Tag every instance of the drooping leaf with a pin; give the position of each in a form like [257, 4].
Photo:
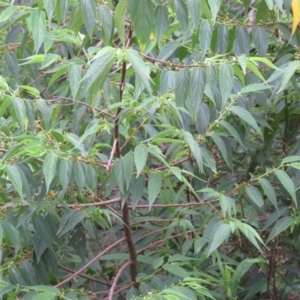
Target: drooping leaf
[260, 39]
[194, 9]
[107, 23]
[205, 34]
[89, 15]
[176, 270]
[142, 15]
[181, 11]
[245, 116]
[140, 68]
[233, 132]
[287, 182]
[119, 19]
[74, 73]
[182, 86]
[161, 20]
[214, 7]
[221, 145]
[49, 169]
[7, 13]
[154, 186]
[226, 81]
[100, 66]
[140, 158]
[221, 232]
[65, 172]
[269, 191]
[15, 178]
[280, 226]
[38, 19]
[255, 195]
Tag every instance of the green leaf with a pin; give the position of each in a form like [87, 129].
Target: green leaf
[260, 39]
[269, 191]
[290, 159]
[194, 8]
[222, 38]
[143, 19]
[280, 226]
[255, 195]
[137, 189]
[255, 70]
[181, 11]
[120, 13]
[101, 65]
[154, 186]
[255, 87]
[195, 149]
[205, 34]
[167, 50]
[214, 8]
[20, 109]
[226, 81]
[128, 165]
[197, 84]
[209, 159]
[176, 270]
[89, 15]
[7, 13]
[65, 173]
[50, 8]
[44, 288]
[158, 262]
[44, 296]
[242, 59]
[140, 68]
[140, 158]
[80, 177]
[69, 220]
[49, 169]
[221, 232]
[287, 183]
[38, 19]
[233, 132]
[227, 205]
[245, 116]
[161, 20]
[107, 21]
[182, 86]
[74, 74]
[289, 72]
[119, 174]
[6, 289]
[250, 234]
[15, 178]
[221, 146]
[242, 41]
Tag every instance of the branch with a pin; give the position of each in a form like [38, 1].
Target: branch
[114, 284]
[113, 150]
[90, 263]
[84, 276]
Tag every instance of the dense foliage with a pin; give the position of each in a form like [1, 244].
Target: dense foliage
[149, 149]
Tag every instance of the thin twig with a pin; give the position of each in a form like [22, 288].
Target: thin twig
[109, 248]
[84, 276]
[114, 284]
[112, 153]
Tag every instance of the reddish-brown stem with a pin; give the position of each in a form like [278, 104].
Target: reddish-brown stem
[85, 276]
[90, 263]
[125, 210]
[114, 284]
